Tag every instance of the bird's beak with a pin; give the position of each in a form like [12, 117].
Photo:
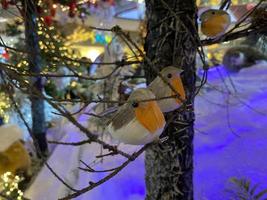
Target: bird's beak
[178, 86]
[150, 116]
[181, 72]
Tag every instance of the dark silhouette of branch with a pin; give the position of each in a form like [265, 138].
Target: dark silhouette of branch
[90, 169]
[236, 35]
[71, 143]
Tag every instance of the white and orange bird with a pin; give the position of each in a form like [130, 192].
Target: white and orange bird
[161, 89]
[214, 22]
[138, 122]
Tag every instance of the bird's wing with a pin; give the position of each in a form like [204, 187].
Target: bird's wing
[159, 88]
[124, 115]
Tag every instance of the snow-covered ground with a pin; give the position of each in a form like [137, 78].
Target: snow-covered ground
[230, 141]
[231, 132]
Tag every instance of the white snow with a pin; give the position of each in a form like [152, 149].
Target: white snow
[231, 139]
[64, 161]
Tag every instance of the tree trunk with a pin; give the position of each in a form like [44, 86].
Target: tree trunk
[34, 60]
[170, 41]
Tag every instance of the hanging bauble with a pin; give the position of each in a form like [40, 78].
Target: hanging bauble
[48, 20]
[4, 4]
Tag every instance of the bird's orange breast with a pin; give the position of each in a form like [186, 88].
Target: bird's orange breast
[150, 116]
[215, 25]
[178, 86]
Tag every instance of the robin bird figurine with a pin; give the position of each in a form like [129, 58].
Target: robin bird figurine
[138, 122]
[214, 22]
[162, 89]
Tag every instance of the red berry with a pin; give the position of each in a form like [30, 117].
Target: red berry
[48, 20]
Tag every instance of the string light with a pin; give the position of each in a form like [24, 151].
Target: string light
[9, 186]
[4, 106]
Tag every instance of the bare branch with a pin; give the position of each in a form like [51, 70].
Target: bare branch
[103, 180]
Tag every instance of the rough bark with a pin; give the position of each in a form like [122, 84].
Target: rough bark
[172, 41]
[35, 66]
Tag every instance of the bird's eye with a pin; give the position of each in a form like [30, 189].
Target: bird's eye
[135, 104]
[213, 12]
[169, 75]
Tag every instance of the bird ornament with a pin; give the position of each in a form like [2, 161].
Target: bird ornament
[214, 22]
[139, 121]
[161, 89]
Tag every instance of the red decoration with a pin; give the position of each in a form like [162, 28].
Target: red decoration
[72, 8]
[4, 4]
[48, 20]
[5, 55]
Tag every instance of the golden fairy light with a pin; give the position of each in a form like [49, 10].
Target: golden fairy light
[4, 106]
[9, 186]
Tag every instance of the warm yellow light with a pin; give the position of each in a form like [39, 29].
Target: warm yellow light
[91, 52]
[209, 55]
[8, 185]
[73, 84]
